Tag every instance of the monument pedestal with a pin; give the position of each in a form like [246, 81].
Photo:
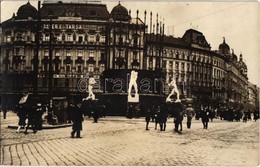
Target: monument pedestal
[134, 99]
[172, 101]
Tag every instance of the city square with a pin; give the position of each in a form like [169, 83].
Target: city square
[91, 83]
[120, 141]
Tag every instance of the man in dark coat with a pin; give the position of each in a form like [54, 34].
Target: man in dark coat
[178, 117]
[205, 117]
[163, 117]
[77, 120]
[70, 112]
[38, 116]
[147, 118]
[95, 110]
[31, 111]
[189, 113]
[157, 116]
[21, 113]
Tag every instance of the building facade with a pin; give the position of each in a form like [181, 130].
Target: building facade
[236, 80]
[253, 97]
[56, 48]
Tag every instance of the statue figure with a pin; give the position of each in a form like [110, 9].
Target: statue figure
[173, 85]
[24, 98]
[91, 83]
[132, 83]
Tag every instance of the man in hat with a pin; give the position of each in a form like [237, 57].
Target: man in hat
[77, 120]
[189, 114]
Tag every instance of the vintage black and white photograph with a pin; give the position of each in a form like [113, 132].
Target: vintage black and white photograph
[129, 83]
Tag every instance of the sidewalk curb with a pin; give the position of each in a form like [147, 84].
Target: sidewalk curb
[12, 126]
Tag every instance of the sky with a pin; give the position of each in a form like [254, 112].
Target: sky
[238, 22]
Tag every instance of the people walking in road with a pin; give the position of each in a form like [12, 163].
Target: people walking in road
[189, 113]
[147, 118]
[178, 117]
[21, 113]
[31, 119]
[205, 117]
[77, 120]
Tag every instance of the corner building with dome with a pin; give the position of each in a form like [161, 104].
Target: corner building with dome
[57, 49]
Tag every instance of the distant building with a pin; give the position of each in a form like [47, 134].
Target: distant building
[236, 79]
[253, 96]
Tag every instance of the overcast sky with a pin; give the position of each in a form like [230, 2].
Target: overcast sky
[238, 22]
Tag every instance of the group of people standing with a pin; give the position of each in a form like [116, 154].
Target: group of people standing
[91, 108]
[159, 114]
[33, 115]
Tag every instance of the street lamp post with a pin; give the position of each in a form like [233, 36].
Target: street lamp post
[36, 56]
[50, 73]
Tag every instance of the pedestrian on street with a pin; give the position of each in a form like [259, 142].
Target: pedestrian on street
[163, 117]
[153, 111]
[245, 117]
[4, 110]
[77, 120]
[256, 115]
[38, 116]
[130, 111]
[70, 111]
[95, 111]
[147, 118]
[178, 117]
[211, 115]
[205, 117]
[31, 119]
[157, 116]
[189, 113]
[21, 113]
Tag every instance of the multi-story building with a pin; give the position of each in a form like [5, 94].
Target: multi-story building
[252, 96]
[236, 79]
[82, 39]
[55, 49]
[188, 61]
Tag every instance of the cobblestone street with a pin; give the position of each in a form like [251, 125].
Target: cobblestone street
[120, 141]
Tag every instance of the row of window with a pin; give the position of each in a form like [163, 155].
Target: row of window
[57, 67]
[179, 66]
[175, 54]
[78, 68]
[69, 37]
[79, 52]
[218, 73]
[219, 64]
